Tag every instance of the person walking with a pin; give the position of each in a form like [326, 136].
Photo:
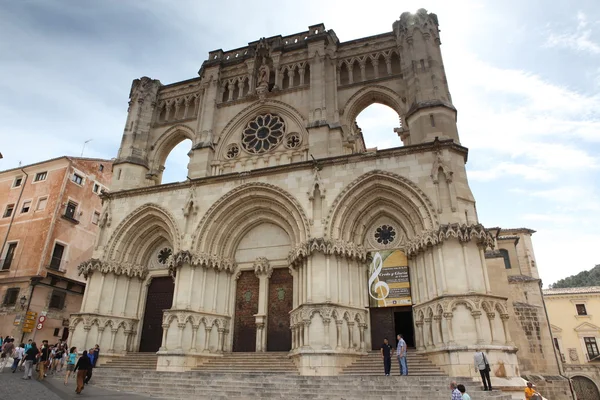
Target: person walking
[7, 352]
[30, 358]
[531, 393]
[92, 357]
[44, 355]
[401, 353]
[386, 354]
[483, 366]
[82, 366]
[463, 391]
[456, 395]
[18, 356]
[72, 358]
[96, 355]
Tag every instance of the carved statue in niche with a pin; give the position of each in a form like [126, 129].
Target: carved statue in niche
[262, 80]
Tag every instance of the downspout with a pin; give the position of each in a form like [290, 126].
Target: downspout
[53, 222]
[558, 361]
[12, 218]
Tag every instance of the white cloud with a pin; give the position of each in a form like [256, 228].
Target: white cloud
[579, 39]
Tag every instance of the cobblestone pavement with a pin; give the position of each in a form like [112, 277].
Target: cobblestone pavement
[12, 387]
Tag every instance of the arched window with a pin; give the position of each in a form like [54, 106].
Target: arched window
[506, 258]
[176, 164]
[377, 123]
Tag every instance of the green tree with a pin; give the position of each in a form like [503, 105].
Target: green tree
[582, 279]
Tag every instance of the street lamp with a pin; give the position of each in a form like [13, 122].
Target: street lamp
[22, 301]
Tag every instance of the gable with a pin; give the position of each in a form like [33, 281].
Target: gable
[587, 327]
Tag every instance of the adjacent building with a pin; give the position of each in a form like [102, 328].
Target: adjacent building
[49, 217]
[574, 315]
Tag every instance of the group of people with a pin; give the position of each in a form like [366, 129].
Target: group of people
[387, 352]
[49, 359]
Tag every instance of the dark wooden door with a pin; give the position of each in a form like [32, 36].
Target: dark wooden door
[246, 305]
[159, 298]
[281, 291]
[382, 326]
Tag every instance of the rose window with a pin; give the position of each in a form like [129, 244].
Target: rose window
[292, 141]
[385, 234]
[164, 255]
[232, 151]
[263, 133]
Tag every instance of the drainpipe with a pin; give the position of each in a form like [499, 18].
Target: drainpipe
[12, 218]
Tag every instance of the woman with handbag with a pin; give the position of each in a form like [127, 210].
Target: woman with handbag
[483, 366]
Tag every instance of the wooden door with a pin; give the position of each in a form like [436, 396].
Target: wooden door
[246, 305]
[159, 298]
[281, 291]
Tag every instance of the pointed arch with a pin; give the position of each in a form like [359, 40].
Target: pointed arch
[160, 149]
[242, 209]
[375, 194]
[148, 222]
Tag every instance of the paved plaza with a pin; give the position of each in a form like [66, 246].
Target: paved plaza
[52, 388]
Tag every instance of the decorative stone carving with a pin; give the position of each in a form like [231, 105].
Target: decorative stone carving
[201, 260]
[87, 268]
[463, 233]
[573, 355]
[262, 267]
[263, 133]
[325, 246]
[191, 204]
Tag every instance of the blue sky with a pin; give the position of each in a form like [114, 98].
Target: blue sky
[524, 75]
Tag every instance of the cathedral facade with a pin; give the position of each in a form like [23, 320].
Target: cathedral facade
[273, 242]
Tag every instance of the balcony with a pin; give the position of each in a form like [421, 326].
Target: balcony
[57, 264]
[71, 218]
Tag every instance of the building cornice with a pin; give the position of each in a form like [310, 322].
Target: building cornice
[304, 165]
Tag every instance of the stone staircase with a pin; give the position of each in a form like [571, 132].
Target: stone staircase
[258, 385]
[269, 362]
[372, 365]
[133, 361]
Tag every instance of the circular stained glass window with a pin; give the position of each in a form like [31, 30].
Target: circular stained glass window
[385, 234]
[164, 255]
[263, 133]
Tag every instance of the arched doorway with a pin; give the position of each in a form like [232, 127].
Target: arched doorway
[585, 388]
[159, 298]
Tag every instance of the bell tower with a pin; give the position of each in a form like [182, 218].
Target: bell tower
[430, 110]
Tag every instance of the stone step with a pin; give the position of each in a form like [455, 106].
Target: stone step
[200, 385]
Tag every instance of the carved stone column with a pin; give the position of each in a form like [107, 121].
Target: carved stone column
[163, 346]
[206, 349]
[326, 323]
[362, 328]
[263, 270]
[438, 325]
[448, 316]
[180, 328]
[190, 288]
[504, 318]
[466, 258]
[221, 332]
[194, 336]
[421, 345]
[491, 316]
[127, 340]
[306, 333]
[87, 333]
[476, 316]
[113, 333]
[338, 326]
[99, 335]
[301, 334]
[350, 335]
[429, 333]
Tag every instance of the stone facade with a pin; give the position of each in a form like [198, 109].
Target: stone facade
[575, 317]
[280, 179]
[51, 229]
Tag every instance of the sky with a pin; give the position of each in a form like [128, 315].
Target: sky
[524, 76]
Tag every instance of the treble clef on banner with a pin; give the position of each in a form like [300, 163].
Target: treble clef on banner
[380, 286]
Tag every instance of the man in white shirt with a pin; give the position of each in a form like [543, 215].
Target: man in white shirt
[19, 353]
[483, 366]
[401, 353]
